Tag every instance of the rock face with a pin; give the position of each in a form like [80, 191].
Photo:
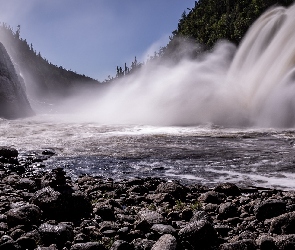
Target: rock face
[13, 100]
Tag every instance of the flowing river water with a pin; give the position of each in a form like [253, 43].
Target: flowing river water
[197, 154]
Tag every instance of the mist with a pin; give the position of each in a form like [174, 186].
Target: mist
[252, 85]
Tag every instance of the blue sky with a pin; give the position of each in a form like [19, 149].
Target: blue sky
[92, 37]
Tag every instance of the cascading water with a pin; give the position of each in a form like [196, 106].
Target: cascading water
[252, 86]
[263, 69]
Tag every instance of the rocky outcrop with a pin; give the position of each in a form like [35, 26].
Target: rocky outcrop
[13, 100]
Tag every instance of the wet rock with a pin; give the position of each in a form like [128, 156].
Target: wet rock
[24, 215]
[176, 190]
[229, 189]
[8, 152]
[57, 234]
[26, 243]
[283, 224]
[212, 197]
[121, 245]
[88, 246]
[62, 207]
[199, 232]
[269, 209]
[239, 245]
[26, 183]
[161, 197]
[150, 217]
[163, 229]
[285, 242]
[142, 244]
[105, 211]
[165, 242]
[227, 210]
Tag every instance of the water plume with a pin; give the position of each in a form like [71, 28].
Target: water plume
[249, 86]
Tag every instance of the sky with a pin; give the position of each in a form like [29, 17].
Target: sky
[93, 37]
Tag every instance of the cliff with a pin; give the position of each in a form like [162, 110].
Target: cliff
[13, 100]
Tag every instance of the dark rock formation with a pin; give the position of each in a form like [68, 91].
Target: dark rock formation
[13, 99]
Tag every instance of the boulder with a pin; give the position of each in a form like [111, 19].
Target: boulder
[229, 189]
[212, 197]
[239, 245]
[269, 209]
[176, 190]
[8, 152]
[88, 246]
[57, 234]
[227, 210]
[165, 242]
[24, 215]
[283, 224]
[198, 233]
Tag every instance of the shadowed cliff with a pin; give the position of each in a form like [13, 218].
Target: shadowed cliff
[13, 100]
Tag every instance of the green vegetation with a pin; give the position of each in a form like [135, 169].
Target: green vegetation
[212, 20]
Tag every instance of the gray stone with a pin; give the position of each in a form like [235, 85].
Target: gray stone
[227, 210]
[212, 197]
[176, 190]
[163, 229]
[283, 224]
[269, 209]
[121, 245]
[239, 245]
[165, 242]
[229, 189]
[56, 234]
[199, 232]
[24, 215]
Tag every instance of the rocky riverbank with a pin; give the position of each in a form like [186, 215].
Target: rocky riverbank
[50, 211]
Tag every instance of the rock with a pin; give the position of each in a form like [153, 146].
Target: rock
[26, 243]
[285, 242]
[269, 209]
[229, 189]
[26, 183]
[105, 211]
[176, 190]
[161, 197]
[24, 215]
[49, 201]
[8, 152]
[283, 224]
[57, 234]
[163, 229]
[61, 207]
[199, 232]
[142, 244]
[88, 246]
[13, 100]
[165, 242]
[239, 245]
[121, 245]
[227, 210]
[151, 217]
[212, 197]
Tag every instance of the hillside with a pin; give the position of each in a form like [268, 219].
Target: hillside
[211, 20]
[44, 81]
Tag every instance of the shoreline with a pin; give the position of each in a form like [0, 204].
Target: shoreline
[52, 211]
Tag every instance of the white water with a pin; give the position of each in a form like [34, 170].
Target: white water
[255, 88]
[252, 87]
